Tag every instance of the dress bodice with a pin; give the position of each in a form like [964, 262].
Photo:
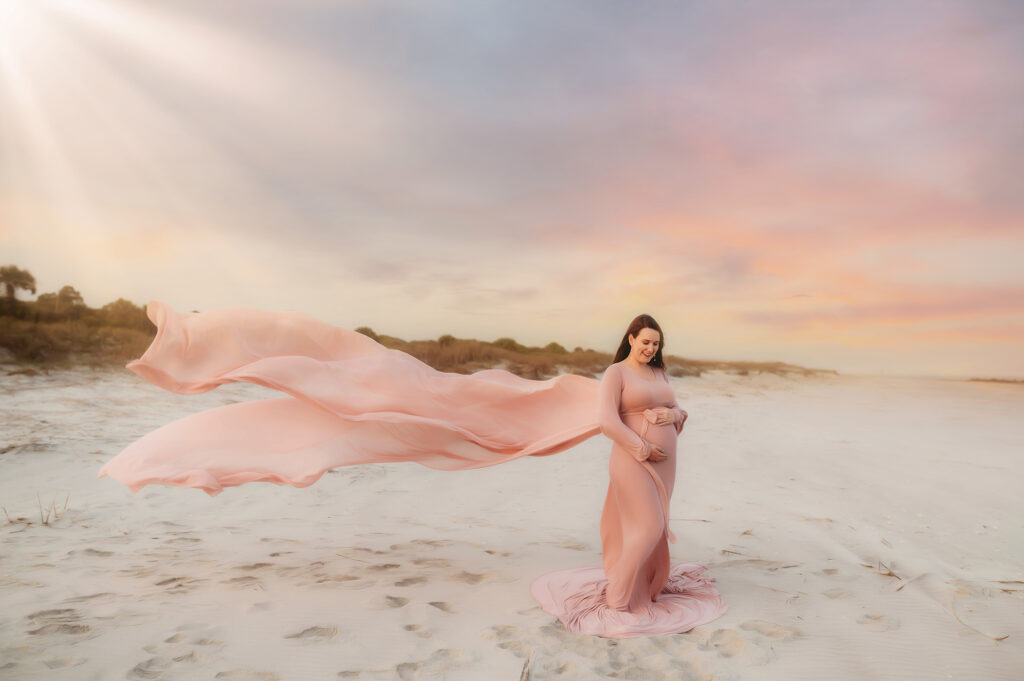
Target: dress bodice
[639, 393]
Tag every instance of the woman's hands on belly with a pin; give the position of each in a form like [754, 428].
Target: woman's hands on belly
[663, 436]
[660, 416]
[657, 453]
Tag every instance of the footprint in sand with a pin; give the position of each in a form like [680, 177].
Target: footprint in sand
[418, 630]
[409, 581]
[419, 544]
[518, 648]
[441, 661]
[432, 542]
[834, 593]
[772, 630]
[61, 662]
[177, 585]
[408, 670]
[506, 554]
[441, 605]
[337, 578]
[138, 571]
[97, 552]
[367, 550]
[834, 575]
[432, 562]
[729, 643]
[551, 652]
[57, 621]
[189, 645]
[247, 675]
[315, 634]
[878, 622]
[153, 668]
[79, 599]
[241, 581]
[470, 577]
[183, 540]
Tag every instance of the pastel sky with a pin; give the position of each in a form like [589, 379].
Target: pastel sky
[834, 184]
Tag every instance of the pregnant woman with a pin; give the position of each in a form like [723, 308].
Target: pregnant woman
[349, 400]
[640, 592]
[633, 413]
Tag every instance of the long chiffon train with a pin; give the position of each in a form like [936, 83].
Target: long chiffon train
[351, 400]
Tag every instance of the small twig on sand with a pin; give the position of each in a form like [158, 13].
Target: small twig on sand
[911, 580]
[6, 514]
[58, 515]
[888, 571]
[525, 675]
[51, 511]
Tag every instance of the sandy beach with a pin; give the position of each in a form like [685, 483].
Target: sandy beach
[857, 527]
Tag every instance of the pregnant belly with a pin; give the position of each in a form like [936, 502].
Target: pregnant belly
[663, 436]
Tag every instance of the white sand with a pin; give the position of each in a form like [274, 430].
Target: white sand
[800, 494]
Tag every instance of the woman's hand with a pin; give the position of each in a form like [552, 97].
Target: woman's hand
[657, 454]
[660, 416]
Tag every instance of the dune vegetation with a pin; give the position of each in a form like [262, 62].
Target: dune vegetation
[58, 330]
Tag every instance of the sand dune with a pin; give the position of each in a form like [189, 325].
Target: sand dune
[861, 528]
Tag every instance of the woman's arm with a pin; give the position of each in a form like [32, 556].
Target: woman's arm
[681, 415]
[611, 423]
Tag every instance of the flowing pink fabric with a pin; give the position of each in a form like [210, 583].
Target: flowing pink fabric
[352, 401]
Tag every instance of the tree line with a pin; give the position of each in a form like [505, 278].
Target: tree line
[59, 327]
[64, 305]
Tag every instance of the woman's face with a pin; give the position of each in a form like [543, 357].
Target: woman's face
[645, 345]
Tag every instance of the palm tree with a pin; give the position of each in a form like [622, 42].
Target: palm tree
[14, 278]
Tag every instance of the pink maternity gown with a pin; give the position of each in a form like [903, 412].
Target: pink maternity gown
[352, 401]
[639, 592]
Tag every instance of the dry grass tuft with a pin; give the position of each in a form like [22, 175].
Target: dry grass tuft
[52, 514]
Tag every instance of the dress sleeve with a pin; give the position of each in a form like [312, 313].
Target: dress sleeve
[681, 415]
[611, 423]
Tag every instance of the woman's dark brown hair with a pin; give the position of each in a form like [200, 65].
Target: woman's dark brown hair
[643, 321]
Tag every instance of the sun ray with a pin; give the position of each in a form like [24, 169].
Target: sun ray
[26, 41]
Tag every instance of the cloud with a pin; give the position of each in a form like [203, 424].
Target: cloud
[755, 168]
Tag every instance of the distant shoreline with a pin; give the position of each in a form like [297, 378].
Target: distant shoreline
[997, 380]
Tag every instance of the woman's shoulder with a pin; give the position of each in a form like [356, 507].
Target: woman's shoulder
[613, 369]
